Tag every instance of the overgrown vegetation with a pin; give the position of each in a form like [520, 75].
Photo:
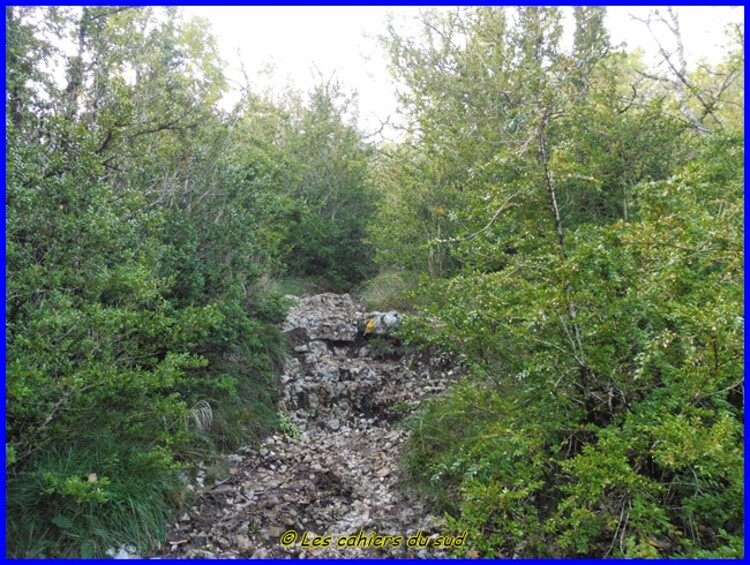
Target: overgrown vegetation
[143, 226]
[567, 221]
[580, 227]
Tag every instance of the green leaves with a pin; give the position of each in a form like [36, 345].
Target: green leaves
[658, 303]
[332, 198]
[132, 253]
[577, 248]
[62, 522]
[80, 490]
[10, 455]
[583, 251]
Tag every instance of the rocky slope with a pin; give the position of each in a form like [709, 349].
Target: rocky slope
[334, 472]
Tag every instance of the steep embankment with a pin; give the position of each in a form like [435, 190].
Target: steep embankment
[338, 477]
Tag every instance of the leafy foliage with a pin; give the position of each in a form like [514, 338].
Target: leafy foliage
[143, 224]
[567, 223]
[595, 289]
[138, 337]
[333, 200]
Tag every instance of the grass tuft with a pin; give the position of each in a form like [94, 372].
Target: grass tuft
[389, 291]
[294, 286]
[83, 500]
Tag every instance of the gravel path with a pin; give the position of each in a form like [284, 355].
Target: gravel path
[331, 491]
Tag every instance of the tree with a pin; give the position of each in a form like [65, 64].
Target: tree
[559, 159]
[330, 187]
[700, 102]
[120, 365]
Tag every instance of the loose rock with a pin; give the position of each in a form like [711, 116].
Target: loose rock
[338, 475]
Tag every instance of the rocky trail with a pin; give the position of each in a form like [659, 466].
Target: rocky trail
[329, 490]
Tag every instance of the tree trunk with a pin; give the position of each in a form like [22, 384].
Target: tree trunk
[572, 332]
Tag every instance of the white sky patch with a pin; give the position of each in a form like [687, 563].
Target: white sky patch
[300, 42]
[291, 46]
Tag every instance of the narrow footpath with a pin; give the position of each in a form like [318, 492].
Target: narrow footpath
[331, 491]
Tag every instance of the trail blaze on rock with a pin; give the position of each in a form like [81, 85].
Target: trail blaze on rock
[338, 478]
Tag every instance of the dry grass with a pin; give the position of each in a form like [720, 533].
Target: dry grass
[388, 291]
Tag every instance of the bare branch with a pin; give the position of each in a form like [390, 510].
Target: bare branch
[683, 86]
[505, 205]
[379, 131]
[630, 102]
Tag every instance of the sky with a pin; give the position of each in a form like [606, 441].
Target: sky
[300, 43]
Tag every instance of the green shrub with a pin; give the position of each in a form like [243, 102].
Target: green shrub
[625, 438]
[82, 500]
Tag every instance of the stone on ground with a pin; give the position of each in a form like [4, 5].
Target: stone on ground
[337, 476]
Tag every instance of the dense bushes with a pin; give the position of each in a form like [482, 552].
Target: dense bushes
[642, 454]
[569, 227]
[333, 201]
[97, 360]
[589, 260]
[143, 224]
